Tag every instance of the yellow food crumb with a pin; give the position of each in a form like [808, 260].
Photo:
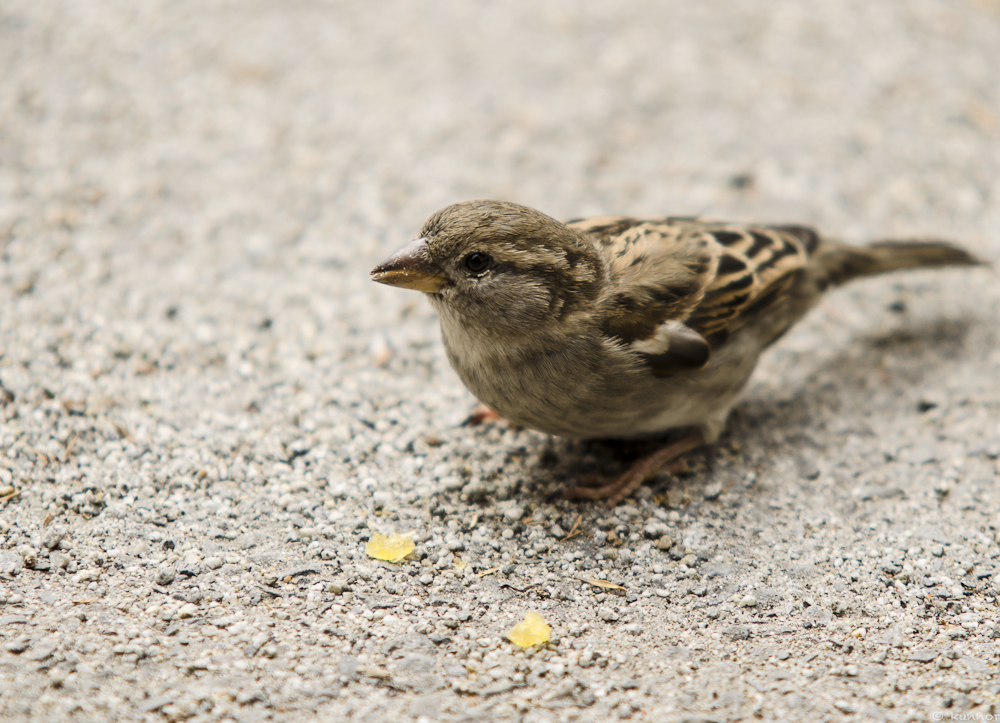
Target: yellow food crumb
[531, 631]
[393, 548]
[460, 564]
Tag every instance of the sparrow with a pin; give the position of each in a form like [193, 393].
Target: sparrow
[615, 327]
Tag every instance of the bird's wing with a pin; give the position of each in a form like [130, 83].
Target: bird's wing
[681, 286]
[757, 265]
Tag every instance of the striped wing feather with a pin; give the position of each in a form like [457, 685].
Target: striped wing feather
[756, 266]
[679, 275]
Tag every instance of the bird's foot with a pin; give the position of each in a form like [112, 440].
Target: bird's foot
[480, 415]
[590, 480]
[662, 460]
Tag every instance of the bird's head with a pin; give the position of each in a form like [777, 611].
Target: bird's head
[504, 267]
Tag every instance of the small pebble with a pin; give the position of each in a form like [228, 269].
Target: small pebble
[607, 614]
[52, 536]
[712, 492]
[513, 514]
[17, 646]
[165, 575]
[655, 529]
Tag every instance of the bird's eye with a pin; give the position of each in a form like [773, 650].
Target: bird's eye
[477, 262]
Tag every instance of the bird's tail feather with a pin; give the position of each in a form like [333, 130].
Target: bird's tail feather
[838, 263]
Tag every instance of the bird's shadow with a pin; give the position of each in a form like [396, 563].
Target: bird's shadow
[916, 355]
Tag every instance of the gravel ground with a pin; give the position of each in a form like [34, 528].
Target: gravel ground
[208, 408]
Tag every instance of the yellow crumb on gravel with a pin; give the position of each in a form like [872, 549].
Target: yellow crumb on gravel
[533, 630]
[393, 548]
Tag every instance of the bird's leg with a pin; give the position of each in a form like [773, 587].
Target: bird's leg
[596, 479]
[664, 459]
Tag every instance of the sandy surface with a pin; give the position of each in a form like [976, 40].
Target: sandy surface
[207, 408]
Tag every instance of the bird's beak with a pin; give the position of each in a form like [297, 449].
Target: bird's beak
[410, 268]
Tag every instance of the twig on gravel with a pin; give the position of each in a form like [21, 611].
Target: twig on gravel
[607, 585]
[527, 589]
[123, 431]
[573, 533]
[12, 495]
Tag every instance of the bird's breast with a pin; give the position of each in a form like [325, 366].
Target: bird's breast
[584, 387]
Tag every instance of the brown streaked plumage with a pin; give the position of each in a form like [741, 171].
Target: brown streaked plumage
[615, 327]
